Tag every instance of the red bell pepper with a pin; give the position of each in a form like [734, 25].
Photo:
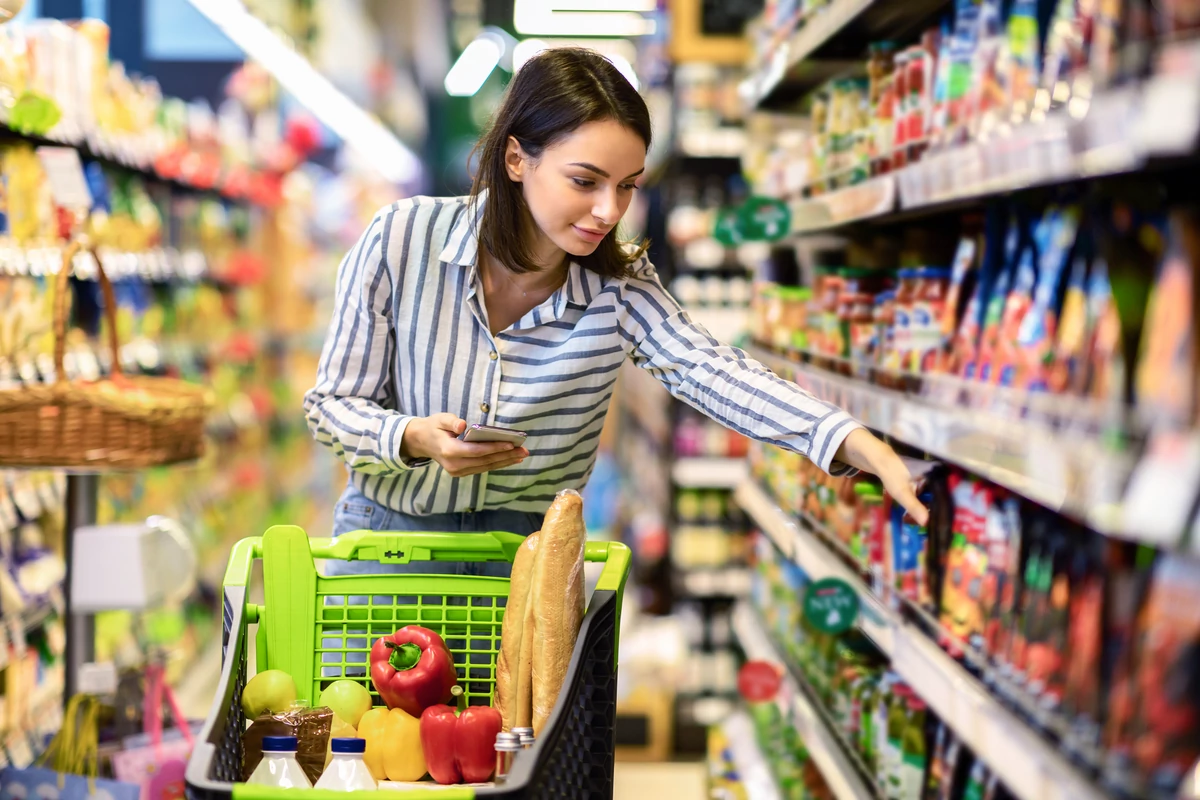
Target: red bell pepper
[412, 669]
[460, 749]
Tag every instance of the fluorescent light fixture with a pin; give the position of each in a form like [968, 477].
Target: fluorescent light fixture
[543, 18]
[311, 89]
[636, 6]
[474, 65]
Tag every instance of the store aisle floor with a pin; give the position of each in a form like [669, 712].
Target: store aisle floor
[657, 781]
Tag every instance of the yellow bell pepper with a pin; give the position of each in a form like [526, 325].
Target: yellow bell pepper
[393, 738]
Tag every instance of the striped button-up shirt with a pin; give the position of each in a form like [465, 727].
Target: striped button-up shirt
[409, 338]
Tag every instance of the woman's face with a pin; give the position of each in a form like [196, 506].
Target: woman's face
[580, 188]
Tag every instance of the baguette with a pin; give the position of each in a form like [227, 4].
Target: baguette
[516, 638]
[557, 601]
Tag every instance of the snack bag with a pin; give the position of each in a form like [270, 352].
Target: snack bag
[1070, 348]
[1104, 375]
[1046, 616]
[311, 726]
[1085, 636]
[966, 349]
[1035, 339]
[1124, 593]
[961, 612]
[1002, 542]
[962, 276]
[993, 316]
[1166, 372]
[1167, 682]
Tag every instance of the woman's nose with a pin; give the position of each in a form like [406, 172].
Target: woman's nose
[606, 209]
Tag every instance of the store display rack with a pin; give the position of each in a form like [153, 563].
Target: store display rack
[1087, 461]
[825, 44]
[980, 720]
[844, 777]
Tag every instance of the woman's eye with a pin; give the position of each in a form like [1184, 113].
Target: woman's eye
[583, 182]
[628, 187]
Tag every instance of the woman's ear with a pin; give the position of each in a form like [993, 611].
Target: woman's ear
[515, 160]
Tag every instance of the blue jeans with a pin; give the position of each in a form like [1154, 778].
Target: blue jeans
[355, 511]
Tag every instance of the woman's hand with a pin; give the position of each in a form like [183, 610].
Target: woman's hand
[436, 437]
[862, 450]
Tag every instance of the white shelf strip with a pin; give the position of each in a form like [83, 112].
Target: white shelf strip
[1027, 763]
[708, 473]
[823, 745]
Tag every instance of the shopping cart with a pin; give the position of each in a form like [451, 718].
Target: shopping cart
[313, 626]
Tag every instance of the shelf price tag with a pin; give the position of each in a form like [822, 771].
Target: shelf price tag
[831, 605]
[759, 681]
[64, 172]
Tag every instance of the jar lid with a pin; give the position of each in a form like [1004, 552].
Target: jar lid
[867, 489]
[909, 273]
[522, 732]
[506, 742]
[885, 297]
[348, 745]
[280, 744]
[858, 273]
[935, 273]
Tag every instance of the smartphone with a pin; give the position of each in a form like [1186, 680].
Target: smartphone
[490, 433]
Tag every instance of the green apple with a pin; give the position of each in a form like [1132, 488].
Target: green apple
[348, 699]
[272, 690]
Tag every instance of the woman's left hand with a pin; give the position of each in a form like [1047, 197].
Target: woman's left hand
[862, 450]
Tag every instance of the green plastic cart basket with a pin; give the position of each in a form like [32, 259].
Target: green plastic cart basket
[319, 629]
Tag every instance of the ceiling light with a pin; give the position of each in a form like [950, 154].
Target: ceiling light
[542, 18]
[311, 89]
[474, 65]
[618, 51]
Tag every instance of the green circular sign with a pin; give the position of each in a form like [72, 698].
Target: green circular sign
[727, 228]
[764, 219]
[831, 605]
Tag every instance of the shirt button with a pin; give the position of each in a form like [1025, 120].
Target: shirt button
[484, 407]
[493, 355]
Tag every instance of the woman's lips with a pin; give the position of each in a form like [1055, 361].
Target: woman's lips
[589, 235]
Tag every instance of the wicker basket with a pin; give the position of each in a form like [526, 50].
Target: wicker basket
[118, 422]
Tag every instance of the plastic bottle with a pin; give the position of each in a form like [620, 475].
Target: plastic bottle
[507, 745]
[525, 736]
[279, 767]
[347, 772]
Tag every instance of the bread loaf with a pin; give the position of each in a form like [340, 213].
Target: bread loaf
[516, 638]
[557, 598]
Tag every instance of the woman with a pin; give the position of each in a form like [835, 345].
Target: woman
[515, 307]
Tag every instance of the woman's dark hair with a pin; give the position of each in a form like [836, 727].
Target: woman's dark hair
[552, 95]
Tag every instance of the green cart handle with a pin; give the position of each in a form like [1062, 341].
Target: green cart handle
[404, 548]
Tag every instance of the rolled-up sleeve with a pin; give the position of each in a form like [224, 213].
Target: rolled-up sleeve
[722, 381]
[351, 407]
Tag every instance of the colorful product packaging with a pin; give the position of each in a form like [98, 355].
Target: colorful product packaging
[1036, 336]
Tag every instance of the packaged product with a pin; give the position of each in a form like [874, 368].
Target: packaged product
[897, 727]
[1035, 339]
[987, 94]
[1001, 367]
[913, 752]
[1067, 43]
[1167, 366]
[992, 296]
[909, 551]
[925, 320]
[899, 357]
[310, 726]
[1167, 710]
[939, 533]
[976, 782]
[1023, 55]
[1046, 614]
[1085, 636]
[961, 611]
[867, 543]
[1070, 348]
[964, 351]
[1002, 542]
[1104, 373]
[961, 284]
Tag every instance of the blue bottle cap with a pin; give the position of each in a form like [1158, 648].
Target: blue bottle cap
[280, 744]
[348, 745]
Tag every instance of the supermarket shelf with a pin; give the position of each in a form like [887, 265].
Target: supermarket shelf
[1116, 132]
[1057, 451]
[876, 621]
[990, 729]
[748, 759]
[832, 42]
[822, 743]
[708, 473]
